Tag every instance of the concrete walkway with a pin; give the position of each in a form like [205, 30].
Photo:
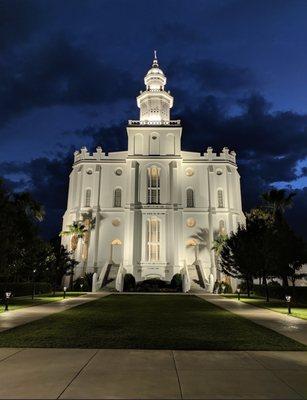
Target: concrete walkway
[21, 316]
[151, 374]
[294, 328]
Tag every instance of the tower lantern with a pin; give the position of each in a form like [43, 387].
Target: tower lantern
[155, 103]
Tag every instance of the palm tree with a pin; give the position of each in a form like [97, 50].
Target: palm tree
[89, 224]
[277, 201]
[76, 230]
[30, 206]
[198, 241]
[219, 243]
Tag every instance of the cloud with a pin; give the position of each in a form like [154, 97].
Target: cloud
[181, 33]
[59, 73]
[18, 21]
[47, 180]
[269, 146]
[213, 76]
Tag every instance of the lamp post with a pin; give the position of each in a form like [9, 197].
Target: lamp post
[239, 294]
[6, 300]
[288, 301]
[33, 284]
[64, 292]
[81, 286]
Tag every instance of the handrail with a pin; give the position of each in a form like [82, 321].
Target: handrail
[186, 280]
[119, 281]
[102, 275]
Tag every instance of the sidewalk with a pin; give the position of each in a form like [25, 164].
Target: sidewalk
[21, 316]
[151, 374]
[292, 327]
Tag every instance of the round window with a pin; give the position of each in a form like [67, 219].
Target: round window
[189, 172]
[89, 172]
[219, 172]
[116, 222]
[190, 222]
[118, 172]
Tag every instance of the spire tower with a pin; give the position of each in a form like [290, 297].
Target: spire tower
[155, 103]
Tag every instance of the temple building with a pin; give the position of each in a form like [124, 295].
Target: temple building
[152, 210]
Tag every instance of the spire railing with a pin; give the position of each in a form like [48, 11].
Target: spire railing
[134, 122]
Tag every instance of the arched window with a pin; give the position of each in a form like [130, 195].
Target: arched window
[88, 198]
[153, 239]
[190, 198]
[222, 229]
[117, 197]
[153, 185]
[220, 200]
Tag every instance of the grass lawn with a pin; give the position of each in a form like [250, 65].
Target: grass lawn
[298, 310]
[26, 301]
[147, 322]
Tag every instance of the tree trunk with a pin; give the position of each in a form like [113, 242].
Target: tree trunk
[248, 287]
[266, 288]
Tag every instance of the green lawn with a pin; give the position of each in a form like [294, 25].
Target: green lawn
[297, 310]
[147, 322]
[26, 301]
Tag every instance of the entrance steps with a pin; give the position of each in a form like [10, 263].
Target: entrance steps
[197, 281]
[109, 280]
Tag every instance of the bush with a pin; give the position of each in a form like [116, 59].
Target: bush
[86, 281]
[227, 288]
[176, 282]
[25, 288]
[151, 285]
[129, 283]
[276, 291]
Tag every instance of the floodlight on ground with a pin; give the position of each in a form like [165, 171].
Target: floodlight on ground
[6, 300]
[288, 301]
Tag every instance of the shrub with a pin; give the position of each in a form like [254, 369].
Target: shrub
[276, 291]
[176, 282]
[151, 285]
[227, 288]
[86, 281]
[129, 283]
[25, 288]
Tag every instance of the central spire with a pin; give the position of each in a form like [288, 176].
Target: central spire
[155, 60]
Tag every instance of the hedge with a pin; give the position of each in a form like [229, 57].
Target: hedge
[299, 293]
[24, 288]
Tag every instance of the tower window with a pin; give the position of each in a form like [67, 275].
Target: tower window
[190, 198]
[88, 198]
[153, 239]
[153, 185]
[220, 200]
[117, 198]
[222, 229]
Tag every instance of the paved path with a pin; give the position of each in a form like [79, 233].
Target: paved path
[294, 328]
[21, 316]
[151, 374]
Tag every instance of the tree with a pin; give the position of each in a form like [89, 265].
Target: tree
[218, 245]
[198, 241]
[237, 256]
[277, 201]
[76, 231]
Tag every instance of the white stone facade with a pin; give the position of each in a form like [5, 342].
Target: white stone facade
[148, 201]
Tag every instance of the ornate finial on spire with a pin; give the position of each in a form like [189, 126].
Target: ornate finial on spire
[155, 60]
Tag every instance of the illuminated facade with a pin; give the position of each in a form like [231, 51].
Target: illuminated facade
[148, 201]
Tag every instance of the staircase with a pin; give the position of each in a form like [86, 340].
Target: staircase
[109, 280]
[197, 281]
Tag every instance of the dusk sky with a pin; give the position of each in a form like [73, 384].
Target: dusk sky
[70, 72]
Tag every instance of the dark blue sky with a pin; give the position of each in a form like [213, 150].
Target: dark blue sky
[70, 71]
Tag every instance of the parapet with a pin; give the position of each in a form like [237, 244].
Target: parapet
[99, 154]
[225, 155]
